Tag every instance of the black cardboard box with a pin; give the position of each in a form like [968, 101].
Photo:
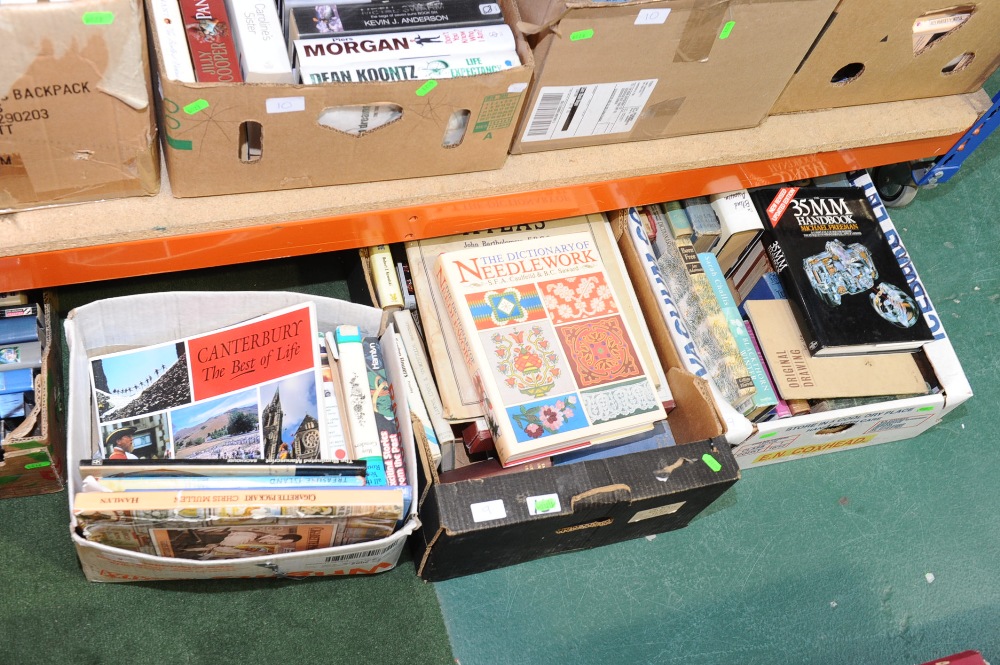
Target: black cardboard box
[475, 525]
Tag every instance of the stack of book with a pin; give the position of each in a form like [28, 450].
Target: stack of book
[797, 305]
[263, 41]
[22, 344]
[266, 437]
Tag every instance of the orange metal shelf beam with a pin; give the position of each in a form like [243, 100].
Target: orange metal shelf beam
[271, 241]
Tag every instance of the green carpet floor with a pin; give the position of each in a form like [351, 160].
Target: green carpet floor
[884, 555]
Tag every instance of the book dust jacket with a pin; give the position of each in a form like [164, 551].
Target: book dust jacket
[549, 348]
[847, 289]
[248, 391]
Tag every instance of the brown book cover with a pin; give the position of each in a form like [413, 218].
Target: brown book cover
[799, 375]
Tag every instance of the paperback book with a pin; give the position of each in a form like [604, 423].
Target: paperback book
[20, 355]
[543, 334]
[848, 291]
[21, 324]
[210, 38]
[248, 391]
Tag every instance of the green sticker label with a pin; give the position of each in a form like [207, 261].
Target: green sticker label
[98, 18]
[426, 87]
[926, 408]
[711, 462]
[767, 436]
[581, 35]
[195, 106]
[545, 505]
[37, 465]
[726, 29]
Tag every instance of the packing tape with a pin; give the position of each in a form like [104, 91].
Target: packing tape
[24, 35]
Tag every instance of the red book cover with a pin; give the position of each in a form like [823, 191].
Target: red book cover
[213, 51]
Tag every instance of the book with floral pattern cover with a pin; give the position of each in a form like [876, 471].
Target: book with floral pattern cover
[544, 336]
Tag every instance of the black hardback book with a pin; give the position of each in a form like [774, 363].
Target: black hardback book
[848, 292]
[324, 20]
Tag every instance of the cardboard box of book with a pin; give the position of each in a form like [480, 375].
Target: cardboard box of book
[34, 453]
[550, 354]
[904, 49]
[222, 138]
[641, 70]
[109, 326]
[76, 117]
[836, 429]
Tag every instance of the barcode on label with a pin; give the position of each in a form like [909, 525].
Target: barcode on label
[545, 113]
[365, 554]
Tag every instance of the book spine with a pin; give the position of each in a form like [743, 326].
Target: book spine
[12, 405]
[19, 330]
[16, 381]
[764, 397]
[793, 290]
[416, 402]
[421, 368]
[698, 307]
[412, 69]
[781, 409]
[263, 56]
[324, 19]
[704, 223]
[677, 219]
[406, 285]
[91, 484]
[17, 312]
[387, 288]
[739, 225]
[383, 405]
[360, 416]
[682, 339]
[210, 37]
[23, 355]
[336, 443]
[353, 500]
[332, 53]
[169, 24]
[13, 298]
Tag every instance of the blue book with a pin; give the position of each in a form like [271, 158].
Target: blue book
[658, 437]
[768, 287]
[20, 324]
[764, 399]
[16, 381]
[12, 405]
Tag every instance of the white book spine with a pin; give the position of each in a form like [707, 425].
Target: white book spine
[416, 402]
[259, 41]
[166, 16]
[421, 366]
[335, 442]
[412, 69]
[384, 277]
[333, 53]
[360, 416]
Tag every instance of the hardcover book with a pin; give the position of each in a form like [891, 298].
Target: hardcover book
[542, 332]
[458, 394]
[686, 282]
[848, 291]
[799, 375]
[21, 355]
[202, 524]
[21, 324]
[247, 391]
[16, 381]
[210, 38]
[739, 224]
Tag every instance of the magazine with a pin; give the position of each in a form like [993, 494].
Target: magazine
[247, 391]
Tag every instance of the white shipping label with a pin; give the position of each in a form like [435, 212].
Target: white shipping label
[563, 112]
[488, 510]
[652, 16]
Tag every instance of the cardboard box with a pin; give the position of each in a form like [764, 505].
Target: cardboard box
[223, 138]
[474, 525]
[671, 67]
[109, 325]
[866, 56]
[847, 429]
[34, 454]
[76, 122]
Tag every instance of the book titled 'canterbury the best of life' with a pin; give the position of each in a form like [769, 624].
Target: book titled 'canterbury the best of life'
[544, 337]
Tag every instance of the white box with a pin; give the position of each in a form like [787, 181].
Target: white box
[118, 324]
[845, 429]
[757, 444]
